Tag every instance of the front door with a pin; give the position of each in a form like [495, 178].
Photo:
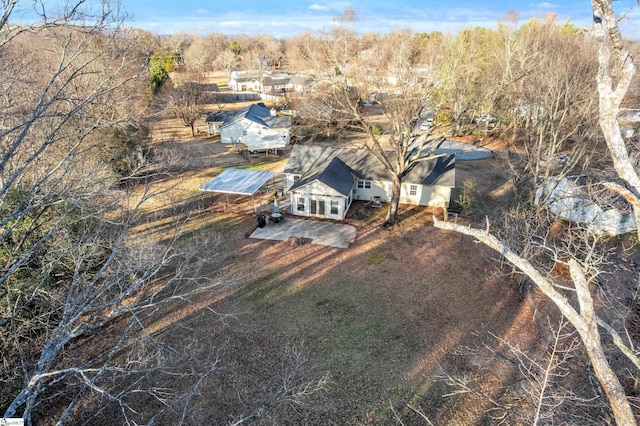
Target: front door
[317, 207]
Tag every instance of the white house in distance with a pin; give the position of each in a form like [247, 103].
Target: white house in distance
[269, 83]
[250, 123]
[323, 181]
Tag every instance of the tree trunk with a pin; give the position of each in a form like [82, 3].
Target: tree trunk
[193, 132]
[392, 213]
[615, 73]
[584, 321]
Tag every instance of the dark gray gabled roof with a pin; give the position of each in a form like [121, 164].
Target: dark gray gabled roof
[308, 157]
[222, 116]
[278, 122]
[436, 170]
[334, 173]
[255, 113]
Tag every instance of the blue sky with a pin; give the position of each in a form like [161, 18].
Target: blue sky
[284, 18]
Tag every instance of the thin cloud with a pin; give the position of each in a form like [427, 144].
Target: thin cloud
[318, 7]
[234, 24]
[544, 5]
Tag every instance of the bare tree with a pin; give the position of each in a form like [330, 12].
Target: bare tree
[548, 111]
[69, 265]
[584, 320]
[291, 386]
[186, 101]
[347, 76]
[615, 73]
[198, 56]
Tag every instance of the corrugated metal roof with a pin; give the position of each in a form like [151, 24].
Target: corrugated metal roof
[238, 181]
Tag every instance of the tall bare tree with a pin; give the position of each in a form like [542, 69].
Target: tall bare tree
[615, 72]
[69, 264]
[346, 75]
[186, 101]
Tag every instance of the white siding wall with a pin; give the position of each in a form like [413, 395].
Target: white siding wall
[232, 132]
[426, 195]
[435, 196]
[313, 193]
[378, 189]
[432, 196]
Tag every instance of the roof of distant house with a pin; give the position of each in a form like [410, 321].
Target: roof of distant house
[257, 113]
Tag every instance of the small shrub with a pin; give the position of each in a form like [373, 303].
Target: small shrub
[466, 199]
[377, 129]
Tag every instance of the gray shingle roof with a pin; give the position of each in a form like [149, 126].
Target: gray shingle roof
[334, 173]
[278, 122]
[256, 113]
[436, 170]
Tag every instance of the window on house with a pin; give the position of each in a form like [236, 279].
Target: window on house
[364, 184]
[300, 204]
[296, 178]
[413, 190]
[334, 206]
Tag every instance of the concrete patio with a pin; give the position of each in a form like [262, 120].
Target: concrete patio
[323, 233]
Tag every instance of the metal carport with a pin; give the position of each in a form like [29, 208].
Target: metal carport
[238, 182]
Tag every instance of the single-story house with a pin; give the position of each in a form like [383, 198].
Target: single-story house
[269, 82]
[299, 83]
[255, 119]
[242, 81]
[323, 181]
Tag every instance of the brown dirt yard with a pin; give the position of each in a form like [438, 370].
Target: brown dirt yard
[381, 319]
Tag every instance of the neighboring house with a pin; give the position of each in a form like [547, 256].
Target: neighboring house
[323, 181]
[299, 83]
[275, 83]
[255, 119]
[569, 198]
[242, 81]
[269, 83]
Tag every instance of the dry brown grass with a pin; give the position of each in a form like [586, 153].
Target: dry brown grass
[382, 318]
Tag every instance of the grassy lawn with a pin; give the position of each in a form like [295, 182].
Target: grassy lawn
[381, 319]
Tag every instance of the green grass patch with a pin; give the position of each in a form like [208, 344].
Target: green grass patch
[376, 257]
[466, 166]
[260, 165]
[265, 289]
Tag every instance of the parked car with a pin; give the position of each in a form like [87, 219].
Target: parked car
[426, 124]
[486, 118]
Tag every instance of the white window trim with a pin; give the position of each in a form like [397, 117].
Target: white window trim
[337, 207]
